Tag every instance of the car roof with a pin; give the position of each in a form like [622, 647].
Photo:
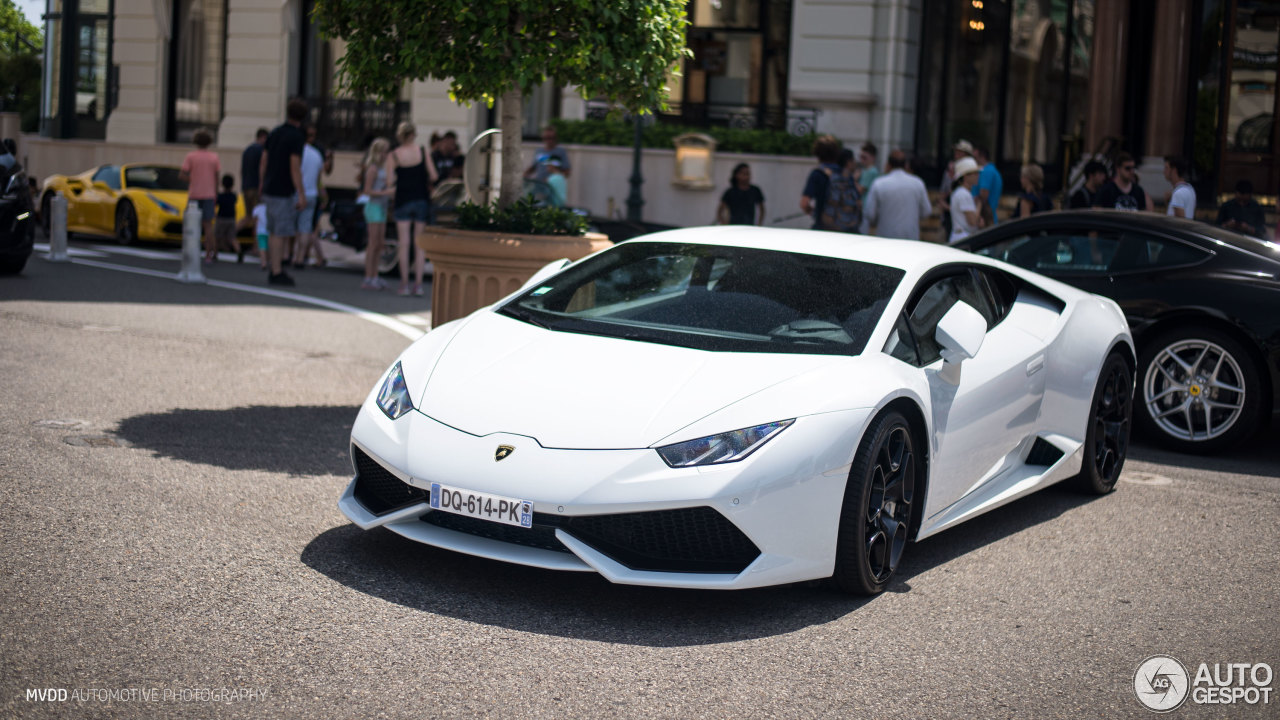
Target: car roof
[913, 256]
[1185, 228]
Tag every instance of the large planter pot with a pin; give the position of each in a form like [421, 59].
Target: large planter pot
[477, 268]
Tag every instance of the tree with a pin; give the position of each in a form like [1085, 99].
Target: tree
[620, 50]
[20, 44]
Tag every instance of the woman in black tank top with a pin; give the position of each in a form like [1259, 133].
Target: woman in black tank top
[413, 201]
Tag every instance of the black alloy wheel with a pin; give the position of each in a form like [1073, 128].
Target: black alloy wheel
[126, 223]
[875, 517]
[1106, 440]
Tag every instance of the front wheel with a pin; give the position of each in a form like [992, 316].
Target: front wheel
[1200, 390]
[875, 516]
[126, 224]
[1106, 440]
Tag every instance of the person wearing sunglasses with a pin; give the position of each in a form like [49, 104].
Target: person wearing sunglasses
[1123, 191]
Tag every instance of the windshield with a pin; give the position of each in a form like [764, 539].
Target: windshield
[149, 177]
[715, 298]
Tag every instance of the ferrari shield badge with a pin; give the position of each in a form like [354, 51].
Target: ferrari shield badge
[502, 452]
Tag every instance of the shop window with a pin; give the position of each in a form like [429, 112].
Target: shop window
[78, 71]
[197, 67]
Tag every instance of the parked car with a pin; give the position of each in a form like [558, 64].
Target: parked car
[128, 202]
[736, 407]
[1203, 304]
[17, 221]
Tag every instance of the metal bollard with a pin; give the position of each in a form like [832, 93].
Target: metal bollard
[58, 230]
[191, 250]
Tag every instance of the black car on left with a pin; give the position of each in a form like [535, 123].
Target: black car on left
[1203, 304]
[17, 226]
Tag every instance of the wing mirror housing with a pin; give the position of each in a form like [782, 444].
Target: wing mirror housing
[960, 333]
[99, 185]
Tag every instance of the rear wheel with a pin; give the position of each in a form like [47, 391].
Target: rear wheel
[1199, 390]
[875, 516]
[126, 223]
[1106, 441]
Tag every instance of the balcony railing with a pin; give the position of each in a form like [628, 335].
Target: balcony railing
[345, 124]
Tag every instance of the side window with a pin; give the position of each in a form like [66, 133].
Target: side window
[109, 175]
[1003, 291]
[932, 304]
[1061, 252]
[1144, 252]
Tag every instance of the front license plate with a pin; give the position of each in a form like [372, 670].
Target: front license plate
[484, 506]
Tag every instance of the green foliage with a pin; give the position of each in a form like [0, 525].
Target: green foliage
[522, 217]
[659, 135]
[12, 20]
[617, 49]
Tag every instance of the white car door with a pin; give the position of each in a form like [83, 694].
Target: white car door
[984, 415]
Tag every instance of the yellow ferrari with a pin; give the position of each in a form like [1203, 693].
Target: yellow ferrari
[128, 202]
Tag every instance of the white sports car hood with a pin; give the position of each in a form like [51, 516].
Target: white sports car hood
[575, 391]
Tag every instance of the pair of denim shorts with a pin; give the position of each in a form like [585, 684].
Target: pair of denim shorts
[417, 211]
[375, 212]
[206, 208]
[307, 216]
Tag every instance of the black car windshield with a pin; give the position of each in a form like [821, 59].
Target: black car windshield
[715, 298]
[148, 177]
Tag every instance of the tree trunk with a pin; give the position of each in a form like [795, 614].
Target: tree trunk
[511, 122]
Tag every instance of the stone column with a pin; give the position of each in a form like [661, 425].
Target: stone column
[1106, 74]
[1170, 61]
[258, 63]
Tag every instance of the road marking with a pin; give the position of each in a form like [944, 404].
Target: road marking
[72, 251]
[392, 324]
[139, 253]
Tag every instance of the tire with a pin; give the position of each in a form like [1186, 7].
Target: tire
[46, 214]
[876, 514]
[389, 259]
[1106, 441]
[12, 266]
[1199, 390]
[126, 223]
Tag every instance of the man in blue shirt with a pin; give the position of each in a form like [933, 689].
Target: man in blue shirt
[990, 184]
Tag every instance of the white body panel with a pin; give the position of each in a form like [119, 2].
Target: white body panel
[583, 414]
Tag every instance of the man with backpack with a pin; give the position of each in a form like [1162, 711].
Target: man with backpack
[830, 195]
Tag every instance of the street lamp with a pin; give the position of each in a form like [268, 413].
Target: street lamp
[635, 201]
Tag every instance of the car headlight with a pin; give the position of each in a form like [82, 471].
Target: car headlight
[723, 448]
[393, 398]
[163, 205]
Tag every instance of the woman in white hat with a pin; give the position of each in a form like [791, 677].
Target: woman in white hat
[965, 219]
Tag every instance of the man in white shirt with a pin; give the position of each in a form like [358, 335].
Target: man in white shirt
[1182, 201]
[897, 201]
[312, 166]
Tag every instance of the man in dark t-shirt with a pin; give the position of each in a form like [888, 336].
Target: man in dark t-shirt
[1242, 213]
[1123, 192]
[282, 190]
[826, 149]
[1095, 174]
[250, 170]
[738, 204]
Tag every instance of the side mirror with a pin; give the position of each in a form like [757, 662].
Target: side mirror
[960, 333]
[99, 185]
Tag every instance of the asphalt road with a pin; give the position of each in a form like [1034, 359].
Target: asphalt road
[172, 457]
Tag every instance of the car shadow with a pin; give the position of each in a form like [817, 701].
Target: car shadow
[386, 566]
[1259, 455]
[297, 440]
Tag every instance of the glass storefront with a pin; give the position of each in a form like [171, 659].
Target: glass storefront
[1007, 75]
[197, 67]
[79, 92]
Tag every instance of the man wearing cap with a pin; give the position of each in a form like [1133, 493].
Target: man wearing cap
[965, 219]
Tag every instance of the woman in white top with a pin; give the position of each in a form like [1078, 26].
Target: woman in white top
[373, 189]
[965, 219]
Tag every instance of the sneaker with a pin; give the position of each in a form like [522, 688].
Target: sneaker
[380, 284]
[281, 279]
[417, 289]
[403, 291]
[370, 284]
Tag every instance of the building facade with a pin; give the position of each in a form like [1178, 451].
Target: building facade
[1045, 81]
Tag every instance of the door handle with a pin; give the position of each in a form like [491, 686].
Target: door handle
[1035, 366]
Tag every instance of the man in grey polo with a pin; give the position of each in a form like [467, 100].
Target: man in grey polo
[282, 188]
[897, 201]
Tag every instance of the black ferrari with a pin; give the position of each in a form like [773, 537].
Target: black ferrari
[1203, 304]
